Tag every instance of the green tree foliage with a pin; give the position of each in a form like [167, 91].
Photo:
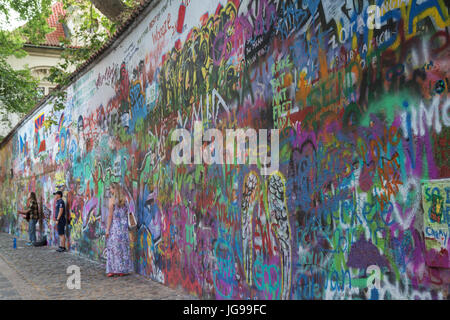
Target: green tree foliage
[18, 90]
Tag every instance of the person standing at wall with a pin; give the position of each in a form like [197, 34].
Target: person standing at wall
[32, 216]
[68, 220]
[60, 219]
[117, 238]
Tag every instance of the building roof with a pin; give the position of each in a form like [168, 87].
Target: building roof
[58, 12]
[52, 39]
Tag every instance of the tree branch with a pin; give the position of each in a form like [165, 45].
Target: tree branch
[112, 9]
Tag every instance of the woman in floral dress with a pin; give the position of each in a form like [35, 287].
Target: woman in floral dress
[117, 239]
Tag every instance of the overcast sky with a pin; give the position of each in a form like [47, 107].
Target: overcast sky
[14, 21]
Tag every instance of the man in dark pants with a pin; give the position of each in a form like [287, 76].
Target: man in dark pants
[60, 219]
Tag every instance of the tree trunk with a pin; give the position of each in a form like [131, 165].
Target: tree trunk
[112, 9]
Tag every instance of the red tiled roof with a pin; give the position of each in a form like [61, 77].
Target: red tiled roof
[52, 38]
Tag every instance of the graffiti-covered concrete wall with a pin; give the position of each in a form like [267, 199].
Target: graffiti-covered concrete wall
[359, 207]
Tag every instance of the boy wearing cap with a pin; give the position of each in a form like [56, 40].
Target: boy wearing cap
[60, 219]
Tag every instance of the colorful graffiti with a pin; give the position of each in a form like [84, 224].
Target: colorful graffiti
[436, 209]
[359, 207]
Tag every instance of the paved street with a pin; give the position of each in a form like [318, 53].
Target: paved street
[41, 273]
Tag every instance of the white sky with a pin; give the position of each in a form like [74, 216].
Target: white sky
[14, 21]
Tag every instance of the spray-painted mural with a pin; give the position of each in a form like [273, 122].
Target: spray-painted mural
[359, 207]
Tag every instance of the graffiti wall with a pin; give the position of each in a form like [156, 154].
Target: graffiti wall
[359, 205]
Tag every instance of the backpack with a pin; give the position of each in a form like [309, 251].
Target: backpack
[36, 211]
[40, 211]
[41, 243]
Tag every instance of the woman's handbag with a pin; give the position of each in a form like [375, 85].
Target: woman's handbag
[132, 227]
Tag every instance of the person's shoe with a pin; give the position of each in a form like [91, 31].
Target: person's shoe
[109, 275]
[61, 249]
[29, 243]
[122, 274]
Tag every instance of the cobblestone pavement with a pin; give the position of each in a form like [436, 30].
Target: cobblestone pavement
[41, 273]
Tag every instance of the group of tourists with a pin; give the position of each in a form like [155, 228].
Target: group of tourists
[118, 255]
